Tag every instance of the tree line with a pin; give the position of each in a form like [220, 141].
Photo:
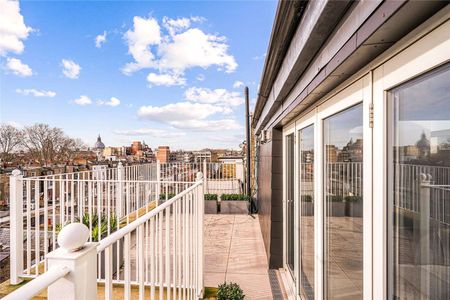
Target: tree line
[38, 143]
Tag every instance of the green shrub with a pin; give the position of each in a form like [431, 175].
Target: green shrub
[210, 196]
[353, 199]
[230, 291]
[234, 197]
[306, 198]
[335, 198]
[169, 196]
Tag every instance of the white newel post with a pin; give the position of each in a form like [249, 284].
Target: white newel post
[158, 181]
[81, 260]
[201, 212]
[205, 175]
[16, 225]
[120, 179]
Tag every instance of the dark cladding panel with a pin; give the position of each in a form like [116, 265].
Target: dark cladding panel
[270, 198]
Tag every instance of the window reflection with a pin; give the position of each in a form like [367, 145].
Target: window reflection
[306, 186]
[343, 168]
[420, 233]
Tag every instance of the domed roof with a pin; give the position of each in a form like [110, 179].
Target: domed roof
[99, 144]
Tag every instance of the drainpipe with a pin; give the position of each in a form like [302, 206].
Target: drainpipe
[247, 125]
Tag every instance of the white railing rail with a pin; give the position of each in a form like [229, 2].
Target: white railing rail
[168, 252]
[163, 254]
[39, 284]
[41, 206]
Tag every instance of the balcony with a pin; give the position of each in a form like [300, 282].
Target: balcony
[148, 235]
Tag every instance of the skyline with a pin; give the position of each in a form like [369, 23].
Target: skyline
[167, 73]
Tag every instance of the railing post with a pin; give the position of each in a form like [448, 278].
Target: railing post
[424, 208]
[79, 258]
[81, 282]
[205, 175]
[158, 181]
[120, 178]
[201, 210]
[16, 225]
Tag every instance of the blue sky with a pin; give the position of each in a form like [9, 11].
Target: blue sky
[170, 73]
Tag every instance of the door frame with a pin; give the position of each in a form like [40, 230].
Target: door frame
[424, 55]
[290, 279]
[355, 93]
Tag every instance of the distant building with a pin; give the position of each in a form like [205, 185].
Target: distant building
[163, 154]
[99, 147]
[136, 147]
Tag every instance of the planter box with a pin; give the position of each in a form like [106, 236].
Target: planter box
[210, 206]
[233, 207]
[307, 209]
[337, 209]
[354, 210]
[115, 262]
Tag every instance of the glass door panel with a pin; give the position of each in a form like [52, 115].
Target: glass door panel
[290, 169]
[306, 188]
[419, 243]
[343, 190]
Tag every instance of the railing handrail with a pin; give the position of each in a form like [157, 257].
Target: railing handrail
[114, 237]
[38, 284]
[104, 180]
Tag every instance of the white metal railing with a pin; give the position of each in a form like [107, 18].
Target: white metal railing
[168, 252]
[41, 206]
[104, 198]
[40, 283]
[163, 252]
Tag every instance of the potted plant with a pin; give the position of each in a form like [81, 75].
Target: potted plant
[233, 204]
[354, 206]
[230, 291]
[337, 205]
[211, 203]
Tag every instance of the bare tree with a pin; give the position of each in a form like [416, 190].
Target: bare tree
[49, 145]
[10, 141]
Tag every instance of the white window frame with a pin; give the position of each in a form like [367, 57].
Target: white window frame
[426, 54]
[289, 280]
[305, 121]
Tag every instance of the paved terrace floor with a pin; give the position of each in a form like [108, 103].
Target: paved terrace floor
[234, 252]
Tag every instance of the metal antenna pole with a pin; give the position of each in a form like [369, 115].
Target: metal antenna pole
[247, 146]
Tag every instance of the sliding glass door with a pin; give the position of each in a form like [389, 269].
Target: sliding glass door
[343, 200]
[419, 257]
[289, 203]
[306, 199]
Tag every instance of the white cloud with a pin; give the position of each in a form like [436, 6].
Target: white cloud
[36, 93]
[258, 57]
[100, 39]
[207, 125]
[194, 48]
[113, 101]
[180, 111]
[83, 100]
[166, 79]
[157, 133]
[18, 68]
[145, 33]
[12, 28]
[188, 115]
[221, 97]
[70, 69]
[200, 77]
[181, 48]
[237, 84]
